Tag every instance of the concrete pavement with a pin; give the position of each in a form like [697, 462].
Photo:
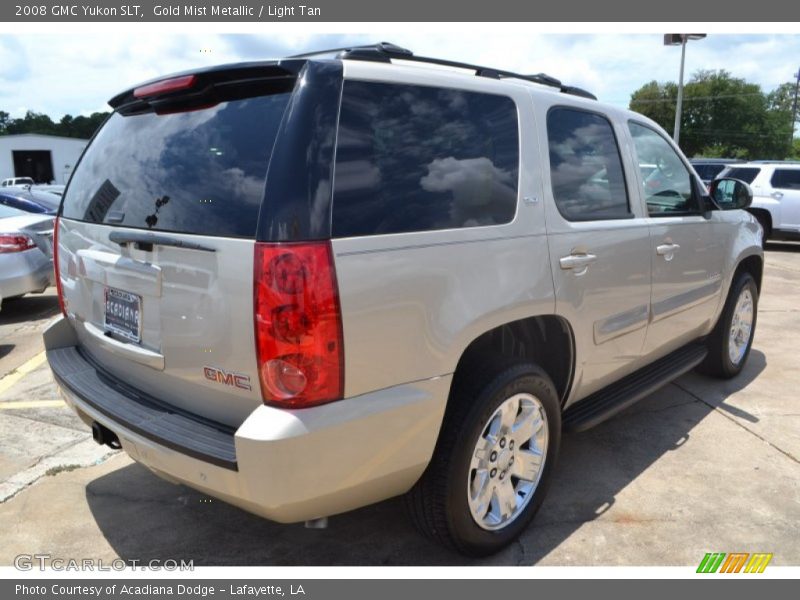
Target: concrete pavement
[700, 466]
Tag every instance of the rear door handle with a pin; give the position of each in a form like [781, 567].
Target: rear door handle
[777, 195]
[579, 263]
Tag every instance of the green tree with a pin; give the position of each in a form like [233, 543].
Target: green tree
[32, 122]
[67, 126]
[723, 116]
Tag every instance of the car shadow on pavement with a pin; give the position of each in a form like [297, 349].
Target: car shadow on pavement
[145, 518]
[28, 308]
[6, 349]
[783, 246]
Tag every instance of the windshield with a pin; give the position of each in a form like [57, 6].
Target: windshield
[200, 171]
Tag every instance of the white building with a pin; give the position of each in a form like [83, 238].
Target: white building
[45, 158]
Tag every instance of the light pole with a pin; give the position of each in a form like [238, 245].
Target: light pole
[680, 39]
[794, 108]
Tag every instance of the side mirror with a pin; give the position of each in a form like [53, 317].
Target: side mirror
[729, 194]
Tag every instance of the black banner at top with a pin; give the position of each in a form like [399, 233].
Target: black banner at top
[243, 11]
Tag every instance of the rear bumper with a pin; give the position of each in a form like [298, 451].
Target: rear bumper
[25, 272]
[285, 465]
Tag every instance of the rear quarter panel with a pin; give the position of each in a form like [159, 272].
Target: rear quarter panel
[411, 303]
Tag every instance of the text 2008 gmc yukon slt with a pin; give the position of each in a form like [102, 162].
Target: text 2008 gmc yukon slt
[310, 284]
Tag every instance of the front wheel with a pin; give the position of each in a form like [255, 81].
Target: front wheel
[493, 461]
[730, 342]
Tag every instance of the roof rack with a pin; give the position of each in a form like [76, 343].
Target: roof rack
[776, 161]
[385, 52]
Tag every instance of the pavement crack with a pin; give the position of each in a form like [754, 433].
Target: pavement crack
[521, 561]
[40, 459]
[75, 429]
[671, 406]
[733, 420]
[784, 268]
[122, 496]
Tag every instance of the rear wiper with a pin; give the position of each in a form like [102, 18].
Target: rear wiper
[145, 241]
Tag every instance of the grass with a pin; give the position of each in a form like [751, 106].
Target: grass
[61, 469]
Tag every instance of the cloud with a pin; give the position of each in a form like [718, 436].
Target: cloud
[255, 47]
[14, 60]
[77, 73]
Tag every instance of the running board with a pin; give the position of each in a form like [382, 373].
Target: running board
[618, 396]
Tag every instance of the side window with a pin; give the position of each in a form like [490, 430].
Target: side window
[414, 158]
[667, 181]
[786, 179]
[585, 166]
[746, 174]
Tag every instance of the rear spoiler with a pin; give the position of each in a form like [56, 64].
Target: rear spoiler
[206, 87]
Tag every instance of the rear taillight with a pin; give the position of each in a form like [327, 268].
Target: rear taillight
[298, 324]
[15, 242]
[59, 291]
[165, 86]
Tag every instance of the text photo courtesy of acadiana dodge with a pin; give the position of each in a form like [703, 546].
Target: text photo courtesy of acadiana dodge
[203, 590]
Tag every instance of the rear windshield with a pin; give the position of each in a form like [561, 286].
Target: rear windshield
[8, 211]
[746, 174]
[199, 172]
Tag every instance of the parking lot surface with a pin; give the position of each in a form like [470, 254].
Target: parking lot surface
[700, 466]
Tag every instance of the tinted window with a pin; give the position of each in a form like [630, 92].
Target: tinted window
[787, 179]
[585, 166]
[192, 172]
[667, 187]
[412, 158]
[708, 172]
[746, 174]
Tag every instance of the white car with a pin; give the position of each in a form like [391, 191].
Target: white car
[16, 182]
[26, 252]
[776, 196]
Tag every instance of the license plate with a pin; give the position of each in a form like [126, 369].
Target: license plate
[123, 314]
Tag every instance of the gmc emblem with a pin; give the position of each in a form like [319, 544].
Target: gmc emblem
[232, 379]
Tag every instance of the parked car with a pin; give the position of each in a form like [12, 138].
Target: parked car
[776, 196]
[16, 182]
[486, 267]
[709, 168]
[26, 246]
[30, 200]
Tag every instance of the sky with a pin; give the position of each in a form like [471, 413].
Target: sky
[76, 73]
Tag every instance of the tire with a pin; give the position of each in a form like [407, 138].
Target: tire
[439, 503]
[727, 356]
